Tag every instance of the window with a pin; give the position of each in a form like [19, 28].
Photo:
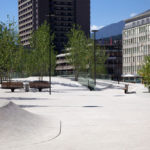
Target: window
[149, 28]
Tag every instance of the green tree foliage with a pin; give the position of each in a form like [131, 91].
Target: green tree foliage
[24, 56]
[145, 72]
[9, 49]
[77, 43]
[82, 54]
[41, 43]
[100, 57]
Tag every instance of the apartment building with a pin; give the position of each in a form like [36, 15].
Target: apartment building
[61, 14]
[136, 43]
[25, 20]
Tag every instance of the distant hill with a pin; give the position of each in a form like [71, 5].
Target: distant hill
[110, 30]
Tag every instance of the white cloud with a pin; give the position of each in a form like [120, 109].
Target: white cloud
[132, 14]
[94, 27]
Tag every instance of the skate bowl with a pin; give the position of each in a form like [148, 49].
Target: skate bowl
[20, 128]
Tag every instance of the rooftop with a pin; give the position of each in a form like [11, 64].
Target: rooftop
[139, 16]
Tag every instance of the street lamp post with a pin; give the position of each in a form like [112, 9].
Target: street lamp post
[118, 60]
[49, 68]
[94, 31]
[50, 46]
[49, 57]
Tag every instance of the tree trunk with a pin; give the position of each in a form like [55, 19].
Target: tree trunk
[1, 79]
[76, 75]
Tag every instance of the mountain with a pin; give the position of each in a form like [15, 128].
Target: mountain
[110, 30]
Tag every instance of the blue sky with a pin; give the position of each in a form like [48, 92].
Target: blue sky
[103, 12]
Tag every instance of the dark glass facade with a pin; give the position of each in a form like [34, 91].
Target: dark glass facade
[61, 14]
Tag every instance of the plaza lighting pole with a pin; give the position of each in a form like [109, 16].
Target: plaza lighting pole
[94, 31]
[119, 47]
[49, 47]
[49, 68]
[49, 53]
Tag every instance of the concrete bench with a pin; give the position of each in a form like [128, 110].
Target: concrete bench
[39, 85]
[12, 85]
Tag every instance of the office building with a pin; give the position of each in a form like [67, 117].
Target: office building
[136, 43]
[109, 38]
[113, 49]
[61, 14]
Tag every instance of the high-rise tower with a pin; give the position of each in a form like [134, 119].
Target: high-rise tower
[61, 14]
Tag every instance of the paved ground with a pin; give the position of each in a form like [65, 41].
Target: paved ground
[106, 119]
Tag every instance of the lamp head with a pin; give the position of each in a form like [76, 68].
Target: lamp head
[95, 30]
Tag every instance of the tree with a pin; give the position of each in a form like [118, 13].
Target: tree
[101, 57]
[41, 42]
[77, 43]
[24, 61]
[144, 72]
[9, 47]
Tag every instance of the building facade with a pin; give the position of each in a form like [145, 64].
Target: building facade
[113, 49]
[136, 43]
[61, 14]
[63, 67]
[113, 64]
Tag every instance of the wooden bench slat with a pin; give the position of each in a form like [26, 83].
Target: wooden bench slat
[12, 85]
[39, 84]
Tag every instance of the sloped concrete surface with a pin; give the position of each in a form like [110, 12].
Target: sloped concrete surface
[19, 127]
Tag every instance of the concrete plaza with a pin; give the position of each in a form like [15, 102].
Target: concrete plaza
[74, 118]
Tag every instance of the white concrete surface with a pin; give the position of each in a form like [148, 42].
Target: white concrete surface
[106, 119]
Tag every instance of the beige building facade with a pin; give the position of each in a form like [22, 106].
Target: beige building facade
[136, 43]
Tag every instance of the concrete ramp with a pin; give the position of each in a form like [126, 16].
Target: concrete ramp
[19, 128]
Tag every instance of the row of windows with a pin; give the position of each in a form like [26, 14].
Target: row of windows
[113, 62]
[25, 36]
[27, 14]
[145, 49]
[113, 54]
[63, 8]
[26, 25]
[64, 64]
[130, 69]
[25, 20]
[138, 23]
[63, 13]
[63, 19]
[26, 4]
[25, 41]
[136, 31]
[63, 24]
[24, 31]
[62, 29]
[25, 10]
[136, 40]
[62, 3]
[22, 1]
[133, 60]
